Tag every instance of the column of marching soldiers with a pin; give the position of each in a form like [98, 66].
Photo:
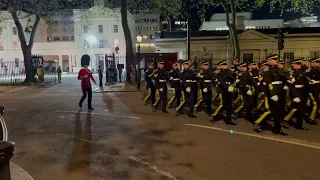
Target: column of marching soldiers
[258, 92]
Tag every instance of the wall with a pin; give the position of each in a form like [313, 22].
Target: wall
[252, 24]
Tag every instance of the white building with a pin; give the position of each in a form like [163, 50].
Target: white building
[303, 22]
[244, 21]
[65, 39]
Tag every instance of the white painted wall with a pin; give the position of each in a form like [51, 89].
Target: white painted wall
[249, 24]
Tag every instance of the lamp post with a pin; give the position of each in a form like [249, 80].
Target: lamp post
[91, 40]
[139, 40]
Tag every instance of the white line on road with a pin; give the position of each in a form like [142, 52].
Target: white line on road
[257, 136]
[102, 114]
[84, 140]
[10, 109]
[162, 172]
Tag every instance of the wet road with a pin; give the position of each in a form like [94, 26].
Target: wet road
[123, 139]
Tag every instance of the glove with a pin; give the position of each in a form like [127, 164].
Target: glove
[262, 93]
[238, 80]
[205, 90]
[258, 83]
[171, 78]
[230, 88]
[188, 89]
[285, 87]
[249, 92]
[275, 98]
[153, 81]
[313, 81]
[161, 89]
[297, 100]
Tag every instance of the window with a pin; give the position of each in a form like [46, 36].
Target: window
[65, 38]
[288, 56]
[72, 38]
[85, 28]
[314, 54]
[86, 44]
[16, 62]
[14, 31]
[100, 27]
[248, 57]
[101, 44]
[56, 38]
[115, 28]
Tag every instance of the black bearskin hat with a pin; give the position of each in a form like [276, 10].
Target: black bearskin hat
[85, 60]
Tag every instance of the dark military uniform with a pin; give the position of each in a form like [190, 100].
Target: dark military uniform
[255, 75]
[150, 86]
[174, 77]
[246, 88]
[313, 86]
[297, 84]
[189, 86]
[274, 80]
[225, 79]
[205, 83]
[100, 72]
[283, 97]
[160, 79]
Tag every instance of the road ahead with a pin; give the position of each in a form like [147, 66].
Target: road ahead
[123, 139]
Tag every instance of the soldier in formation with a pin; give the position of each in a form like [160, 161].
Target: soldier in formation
[269, 90]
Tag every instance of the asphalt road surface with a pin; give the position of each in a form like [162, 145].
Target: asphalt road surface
[123, 139]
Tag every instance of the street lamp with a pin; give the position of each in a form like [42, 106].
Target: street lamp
[139, 40]
[91, 39]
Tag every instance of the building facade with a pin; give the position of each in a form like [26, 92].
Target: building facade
[65, 37]
[255, 44]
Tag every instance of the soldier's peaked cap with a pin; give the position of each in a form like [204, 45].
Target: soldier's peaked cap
[264, 63]
[281, 62]
[150, 63]
[223, 62]
[205, 63]
[175, 64]
[273, 56]
[253, 63]
[85, 60]
[160, 62]
[244, 64]
[185, 62]
[315, 59]
[296, 61]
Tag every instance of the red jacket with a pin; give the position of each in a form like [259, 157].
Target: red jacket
[85, 81]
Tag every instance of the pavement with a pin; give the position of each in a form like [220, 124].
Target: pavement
[123, 139]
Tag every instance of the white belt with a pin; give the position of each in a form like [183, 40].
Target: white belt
[228, 82]
[207, 81]
[276, 82]
[298, 86]
[314, 82]
[161, 80]
[190, 81]
[176, 79]
[248, 86]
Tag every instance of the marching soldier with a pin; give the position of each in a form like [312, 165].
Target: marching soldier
[254, 72]
[234, 67]
[246, 88]
[226, 80]
[313, 75]
[297, 83]
[174, 77]
[150, 84]
[189, 83]
[304, 65]
[196, 91]
[160, 79]
[205, 83]
[273, 79]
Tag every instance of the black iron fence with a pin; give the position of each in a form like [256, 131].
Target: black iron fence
[114, 68]
[13, 72]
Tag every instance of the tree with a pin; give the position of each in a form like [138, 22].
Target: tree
[36, 9]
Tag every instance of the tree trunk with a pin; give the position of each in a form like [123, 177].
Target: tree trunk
[26, 49]
[127, 36]
[234, 30]
[226, 9]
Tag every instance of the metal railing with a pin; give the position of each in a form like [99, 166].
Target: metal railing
[3, 128]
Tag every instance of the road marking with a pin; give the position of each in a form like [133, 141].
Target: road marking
[160, 171]
[10, 109]
[258, 136]
[102, 114]
[84, 140]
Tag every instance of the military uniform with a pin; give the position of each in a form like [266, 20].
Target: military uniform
[189, 86]
[205, 83]
[245, 84]
[255, 75]
[174, 77]
[313, 75]
[296, 84]
[273, 79]
[150, 86]
[160, 79]
[226, 80]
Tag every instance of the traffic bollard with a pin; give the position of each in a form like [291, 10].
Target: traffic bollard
[6, 153]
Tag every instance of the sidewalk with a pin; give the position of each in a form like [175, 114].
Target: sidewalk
[17, 173]
[13, 89]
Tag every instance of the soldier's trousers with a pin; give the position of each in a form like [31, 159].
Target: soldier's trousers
[297, 109]
[151, 94]
[246, 103]
[314, 104]
[196, 91]
[226, 104]
[277, 113]
[176, 96]
[205, 97]
[162, 98]
[187, 98]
